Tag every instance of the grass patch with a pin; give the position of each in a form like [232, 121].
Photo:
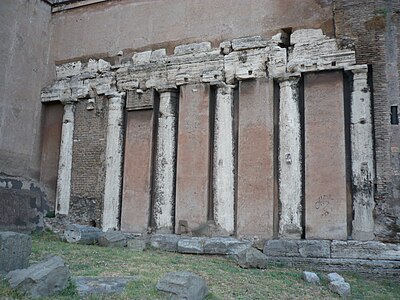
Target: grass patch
[225, 279]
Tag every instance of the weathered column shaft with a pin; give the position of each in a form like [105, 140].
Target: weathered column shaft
[65, 160]
[290, 165]
[223, 165]
[165, 170]
[362, 156]
[112, 188]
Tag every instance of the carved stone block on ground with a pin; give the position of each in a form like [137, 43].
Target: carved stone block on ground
[310, 277]
[82, 234]
[288, 248]
[165, 242]
[42, 279]
[191, 245]
[88, 285]
[112, 239]
[318, 249]
[183, 285]
[136, 244]
[15, 249]
[224, 245]
[251, 258]
[365, 250]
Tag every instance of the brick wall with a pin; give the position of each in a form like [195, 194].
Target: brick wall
[88, 165]
[366, 25]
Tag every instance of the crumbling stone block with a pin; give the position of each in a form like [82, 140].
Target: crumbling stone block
[82, 234]
[15, 249]
[112, 239]
[165, 242]
[183, 285]
[41, 279]
[191, 245]
[251, 258]
[224, 245]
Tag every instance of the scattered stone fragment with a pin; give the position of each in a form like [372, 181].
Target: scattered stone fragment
[42, 279]
[209, 229]
[87, 285]
[340, 287]
[136, 244]
[335, 277]
[183, 285]
[15, 249]
[224, 245]
[165, 242]
[191, 245]
[112, 239]
[82, 234]
[251, 258]
[310, 277]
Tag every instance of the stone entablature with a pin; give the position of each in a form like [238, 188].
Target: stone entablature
[239, 59]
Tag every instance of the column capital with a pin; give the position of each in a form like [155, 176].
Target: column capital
[67, 101]
[289, 77]
[167, 89]
[357, 69]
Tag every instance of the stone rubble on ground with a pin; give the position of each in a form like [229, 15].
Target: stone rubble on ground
[251, 258]
[112, 239]
[88, 285]
[311, 277]
[15, 249]
[338, 285]
[81, 234]
[183, 285]
[137, 244]
[42, 279]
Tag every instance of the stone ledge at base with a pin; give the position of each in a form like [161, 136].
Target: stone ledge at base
[371, 250]
[383, 268]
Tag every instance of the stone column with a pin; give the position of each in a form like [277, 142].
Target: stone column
[112, 188]
[362, 156]
[165, 168]
[290, 165]
[65, 160]
[223, 165]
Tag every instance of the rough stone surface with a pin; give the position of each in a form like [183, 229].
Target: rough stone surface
[335, 277]
[15, 249]
[224, 245]
[318, 249]
[87, 285]
[41, 279]
[251, 258]
[112, 239]
[81, 234]
[193, 245]
[383, 268]
[192, 48]
[183, 285]
[286, 248]
[136, 244]
[166, 242]
[365, 250]
[248, 43]
[340, 287]
[310, 277]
